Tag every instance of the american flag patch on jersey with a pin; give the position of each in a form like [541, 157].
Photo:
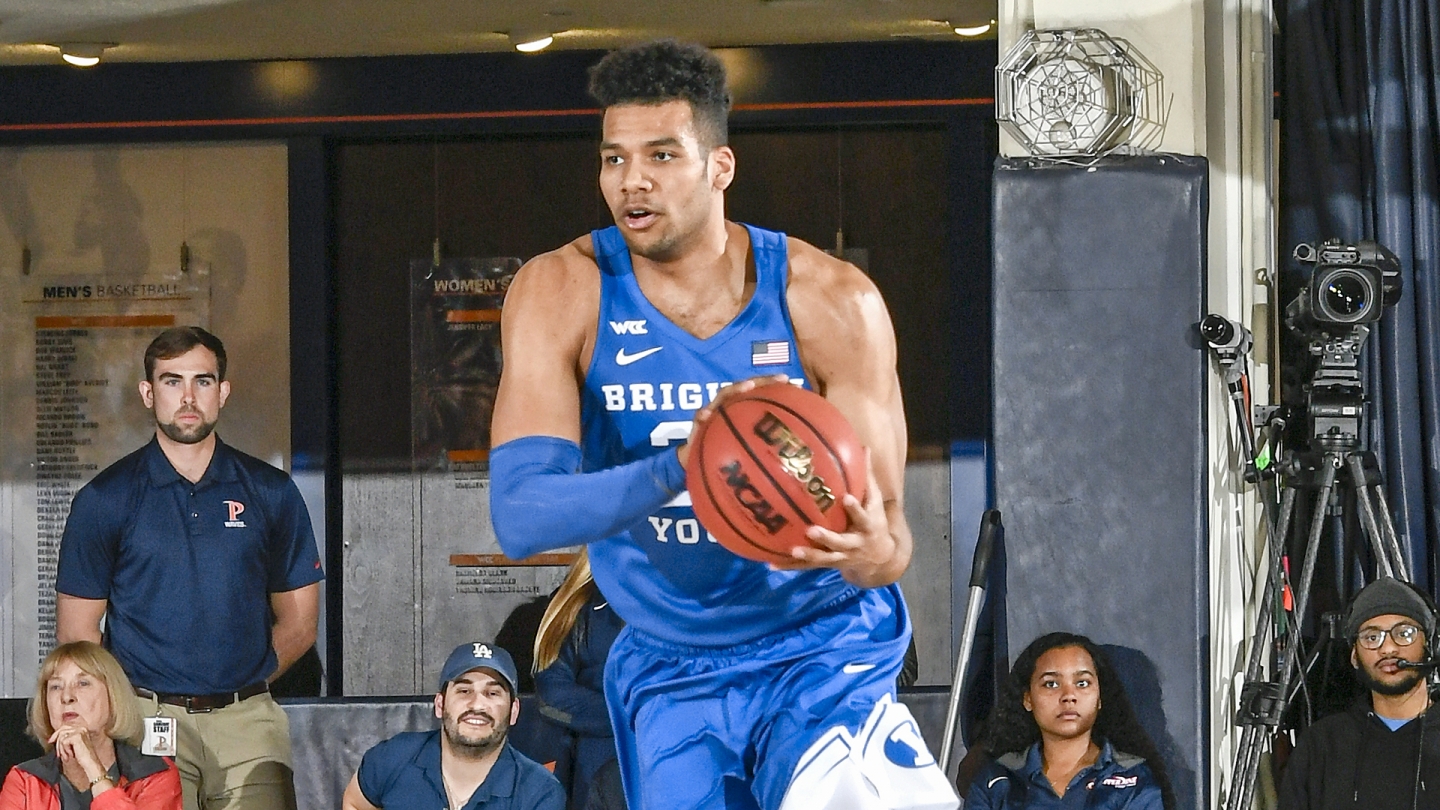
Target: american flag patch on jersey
[769, 352]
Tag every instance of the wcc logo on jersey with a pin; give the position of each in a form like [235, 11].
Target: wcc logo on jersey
[629, 327]
[236, 509]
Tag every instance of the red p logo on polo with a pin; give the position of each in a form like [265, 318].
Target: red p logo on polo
[235, 508]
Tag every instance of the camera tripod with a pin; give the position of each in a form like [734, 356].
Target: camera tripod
[1347, 291]
[1337, 464]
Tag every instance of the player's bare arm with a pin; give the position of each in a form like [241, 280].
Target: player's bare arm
[547, 329]
[847, 344]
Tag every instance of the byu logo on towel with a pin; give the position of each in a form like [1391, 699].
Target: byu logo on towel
[905, 747]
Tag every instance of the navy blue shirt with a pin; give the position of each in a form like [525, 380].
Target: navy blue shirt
[188, 568]
[1016, 781]
[404, 772]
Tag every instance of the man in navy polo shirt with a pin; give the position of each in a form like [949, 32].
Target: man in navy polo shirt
[466, 763]
[202, 561]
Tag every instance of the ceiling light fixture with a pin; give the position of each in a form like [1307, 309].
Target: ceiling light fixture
[974, 30]
[83, 54]
[531, 41]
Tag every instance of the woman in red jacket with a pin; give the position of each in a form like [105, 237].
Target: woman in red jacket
[85, 715]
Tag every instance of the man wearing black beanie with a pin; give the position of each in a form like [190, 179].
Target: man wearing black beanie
[1384, 752]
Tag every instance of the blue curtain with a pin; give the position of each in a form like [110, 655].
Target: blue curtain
[1359, 124]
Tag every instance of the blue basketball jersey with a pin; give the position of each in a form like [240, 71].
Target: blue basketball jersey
[666, 575]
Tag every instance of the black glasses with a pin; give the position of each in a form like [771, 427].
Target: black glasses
[1403, 634]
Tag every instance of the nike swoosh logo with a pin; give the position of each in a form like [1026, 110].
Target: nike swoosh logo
[623, 359]
[855, 669]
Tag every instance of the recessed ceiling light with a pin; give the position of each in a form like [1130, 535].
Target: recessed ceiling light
[83, 54]
[974, 30]
[531, 41]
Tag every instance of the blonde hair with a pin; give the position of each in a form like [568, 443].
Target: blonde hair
[564, 607]
[97, 662]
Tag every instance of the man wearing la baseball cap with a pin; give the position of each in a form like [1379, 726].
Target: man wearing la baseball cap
[467, 762]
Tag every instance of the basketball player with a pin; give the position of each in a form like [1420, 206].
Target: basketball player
[735, 684]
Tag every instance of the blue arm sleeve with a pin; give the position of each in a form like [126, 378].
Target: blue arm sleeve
[540, 501]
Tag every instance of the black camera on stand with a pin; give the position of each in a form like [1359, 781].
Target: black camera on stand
[1349, 288]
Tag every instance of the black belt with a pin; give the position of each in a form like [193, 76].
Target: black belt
[204, 703]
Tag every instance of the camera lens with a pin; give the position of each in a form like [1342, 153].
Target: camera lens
[1346, 296]
[1216, 330]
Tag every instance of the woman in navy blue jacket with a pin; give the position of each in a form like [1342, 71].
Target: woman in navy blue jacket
[1063, 735]
[570, 651]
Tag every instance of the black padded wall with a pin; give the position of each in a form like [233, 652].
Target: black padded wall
[1099, 428]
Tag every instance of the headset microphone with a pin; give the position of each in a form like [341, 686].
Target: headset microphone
[1429, 663]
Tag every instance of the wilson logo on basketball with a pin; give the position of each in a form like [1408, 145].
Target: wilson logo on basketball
[796, 458]
[750, 498]
[768, 465]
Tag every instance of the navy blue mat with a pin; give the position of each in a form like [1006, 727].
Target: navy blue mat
[1099, 434]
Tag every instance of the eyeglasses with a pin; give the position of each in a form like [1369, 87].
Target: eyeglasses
[1403, 634]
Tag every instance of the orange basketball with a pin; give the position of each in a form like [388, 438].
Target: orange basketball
[769, 464]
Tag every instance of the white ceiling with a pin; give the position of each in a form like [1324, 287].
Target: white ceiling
[183, 30]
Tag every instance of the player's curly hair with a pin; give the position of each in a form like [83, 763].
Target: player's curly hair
[1012, 728]
[667, 70]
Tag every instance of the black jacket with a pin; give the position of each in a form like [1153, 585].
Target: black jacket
[1351, 760]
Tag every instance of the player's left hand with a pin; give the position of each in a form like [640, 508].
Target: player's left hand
[864, 549]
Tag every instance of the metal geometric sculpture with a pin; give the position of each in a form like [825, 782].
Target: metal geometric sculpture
[1078, 93]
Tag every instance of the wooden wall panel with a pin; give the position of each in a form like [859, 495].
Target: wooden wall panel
[382, 625]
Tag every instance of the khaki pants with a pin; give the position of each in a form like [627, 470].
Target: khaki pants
[235, 758]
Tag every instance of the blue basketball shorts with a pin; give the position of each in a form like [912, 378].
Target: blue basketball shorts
[708, 727]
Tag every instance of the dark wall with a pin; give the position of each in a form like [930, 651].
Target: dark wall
[520, 196]
[501, 196]
[328, 108]
[893, 205]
